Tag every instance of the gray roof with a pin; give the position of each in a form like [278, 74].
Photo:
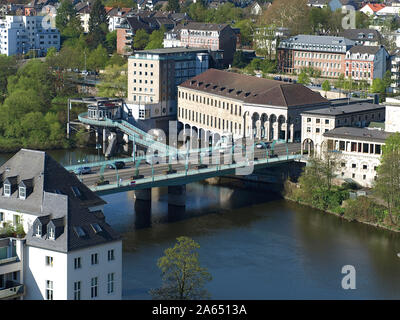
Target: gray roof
[53, 199]
[317, 43]
[365, 49]
[345, 109]
[204, 26]
[361, 34]
[363, 134]
[169, 51]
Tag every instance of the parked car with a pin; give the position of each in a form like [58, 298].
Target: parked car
[153, 160]
[83, 170]
[117, 164]
[260, 146]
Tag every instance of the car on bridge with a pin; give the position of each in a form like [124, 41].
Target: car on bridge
[262, 145]
[83, 170]
[117, 164]
[153, 159]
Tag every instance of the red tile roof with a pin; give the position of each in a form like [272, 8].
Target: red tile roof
[375, 7]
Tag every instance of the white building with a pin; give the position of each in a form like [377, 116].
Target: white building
[21, 34]
[116, 17]
[69, 251]
[392, 123]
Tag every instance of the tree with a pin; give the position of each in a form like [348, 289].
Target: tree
[303, 78]
[239, 60]
[98, 24]
[378, 86]
[156, 39]
[326, 86]
[173, 5]
[97, 58]
[264, 38]
[141, 39]
[387, 184]
[111, 41]
[292, 14]
[113, 81]
[183, 277]
[65, 12]
[7, 68]
[246, 31]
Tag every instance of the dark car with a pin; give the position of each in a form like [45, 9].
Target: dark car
[117, 164]
[83, 170]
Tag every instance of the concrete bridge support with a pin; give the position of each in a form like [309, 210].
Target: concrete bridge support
[143, 207]
[176, 202]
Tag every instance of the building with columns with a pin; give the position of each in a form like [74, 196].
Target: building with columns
[317, 122]
[225, 103]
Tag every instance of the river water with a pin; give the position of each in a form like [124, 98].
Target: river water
[254, 244]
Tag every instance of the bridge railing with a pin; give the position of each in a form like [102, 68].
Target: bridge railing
[153, 179]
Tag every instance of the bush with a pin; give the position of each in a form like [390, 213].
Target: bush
[365, 209]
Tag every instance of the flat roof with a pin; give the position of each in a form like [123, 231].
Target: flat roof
[345, 109]
[364, 134]
[169, 50]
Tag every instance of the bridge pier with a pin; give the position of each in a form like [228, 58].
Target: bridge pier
[143, 205]
[176, 202]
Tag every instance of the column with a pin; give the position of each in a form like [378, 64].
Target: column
[143, 208]
[267, 130]
[176, 202]
[285, 125]
[276, 130]
[291, 132]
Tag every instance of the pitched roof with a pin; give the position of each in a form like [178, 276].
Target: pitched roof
[204, 26]
[54, 198]
[365, 49]
[364, 134]
[345, 109]
[361, 34]
[254, 90]
[375, 7]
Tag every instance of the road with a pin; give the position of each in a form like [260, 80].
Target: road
[146, 170]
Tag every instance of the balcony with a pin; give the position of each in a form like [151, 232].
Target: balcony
[12, 290]
[8, 260]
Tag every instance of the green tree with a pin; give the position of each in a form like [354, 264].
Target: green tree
[7, 68]
[97, 59]
[111, 41]
[98, 25]
[114, 80]
[387, 183]
[239, 60]
[156, 39]
[141, 39]
[326, 86]
[65, 13]
[246, 31]
[173, 5]
[183, 277]
[303, 77]
[378, 86]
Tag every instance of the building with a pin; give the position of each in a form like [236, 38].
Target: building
[225, 103]
[215, 37]
[116, 16]
[21, 34]
[364, 37]
[153, 77]
[83, 10]
[69, 251]
[392, 123]
[366, 63]
[316, 122]
[324, 53]
[358, 150]
[266, 39]
[372, 8]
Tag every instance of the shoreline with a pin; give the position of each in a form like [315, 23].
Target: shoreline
[385, 227]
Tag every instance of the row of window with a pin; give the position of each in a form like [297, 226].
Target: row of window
[140, 65]
[365, 117]
[361, 74]
[317, 64]
[208, 120]
[317, 55]
[361, 65]
[234, 109]
[354, 166]
[144, 89]
[49, 261]
[94, 287]
[360, 147]
[140, 81]
[140, 73]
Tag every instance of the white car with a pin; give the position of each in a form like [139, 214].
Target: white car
[153, 160]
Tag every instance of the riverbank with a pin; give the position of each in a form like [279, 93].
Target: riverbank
[361, 209]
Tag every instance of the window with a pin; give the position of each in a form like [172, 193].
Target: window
[77, 263]
[354, 165]
[308, 119]
[110, 255]
[1, 216]
[51, 233]
[49, 290]
[317, 130]
[77, 290]
[94, 258]
[94, 287]
[110, 283]
[7, 190]
[365, 167]
[49, 261]
[22, 192]
[38, 231]
[326, 121]
[308, 129]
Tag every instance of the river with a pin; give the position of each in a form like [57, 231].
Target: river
[254, 244]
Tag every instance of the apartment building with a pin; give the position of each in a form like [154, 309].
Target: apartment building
[153, 77]
[225, 103]
[358, 152]
[366, 63]
[317, 122]
[69, 251]
[324, 53]
[116, 16]
[395, 71]
[215, 37]
[21, 34]
[364, 37]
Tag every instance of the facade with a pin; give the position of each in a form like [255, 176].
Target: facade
[358, 150]
[214, 37]
[224, 103]
[324, 53]
[366, 63]
[392, 123]
[69, 251]
[116, 17]
[395, 71]
[153, 76]
[317, 122]
[21, 34]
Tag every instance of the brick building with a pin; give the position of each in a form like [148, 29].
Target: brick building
[324, 53]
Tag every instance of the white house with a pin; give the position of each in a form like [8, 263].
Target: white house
[69, 252]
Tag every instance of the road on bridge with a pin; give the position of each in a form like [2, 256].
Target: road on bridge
[146, 169]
